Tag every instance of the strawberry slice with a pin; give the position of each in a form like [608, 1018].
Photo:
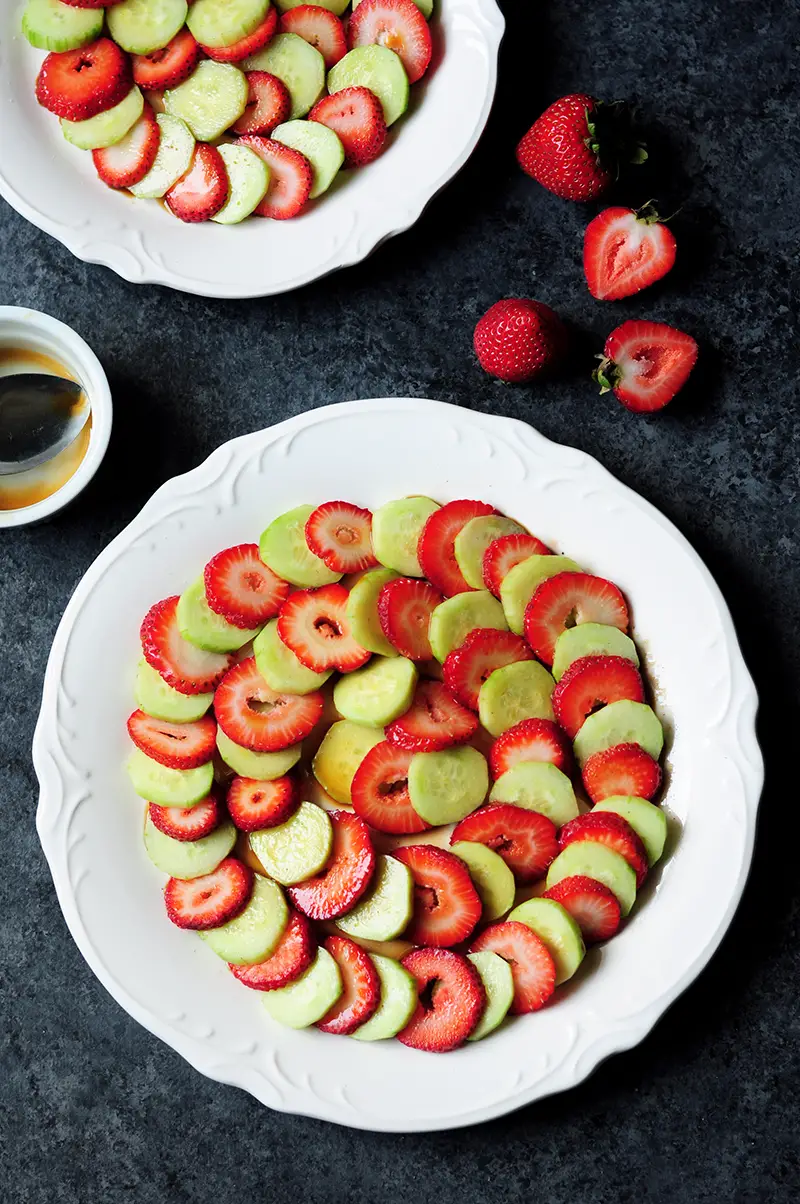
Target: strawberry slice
[79, 84]
[380, 791]
[532, 966]
[451, 1002]
[645, 364]
[436, 550]
[625, 250]
[129, 160]
[592, 682]
[203, 190]
[530, 740]
[292, 955]
[484, 650]
[186, 823]
[361, 987]
[253, 805]
[565, 601]
[176, 745]
[593, 907]
[187, 669]
[624, 769]
[446, 905]
[341, 534]
[339, 886]
[290, 177]
[268, 104]
[524, 839]
[320, 28]
[314, 624]
[212, 899]
[614, 832]
[91, 3]
[504, 553]
[168, 67]
[241, 588]
[259, 718]
[433, 721]
[405, 606]
[397, 24]
[356, 116]
[261, 36]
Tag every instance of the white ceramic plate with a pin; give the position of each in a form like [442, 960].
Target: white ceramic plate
[55, 186]
[89, 821]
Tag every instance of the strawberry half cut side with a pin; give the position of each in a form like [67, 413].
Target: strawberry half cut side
[645, 364]
[176, 745]
[186, 823]
[361, 988]
[504, 553]
[187, 669]
[259, 718]
[451, 1000]
[314, 624]
[593, 907]
[341, 535]
[565, 601]
[434, 721]
[253, 805]
[291, 957]
[530, 740]
[380, 791]
[532, 965]
[484, 650]
[592, 682]
[526, 840]
[625, 769]
[436, 549]
[212, 899]
[405, 606]
[446, 905]
[339, 886]
[625, 250]
[241, 588]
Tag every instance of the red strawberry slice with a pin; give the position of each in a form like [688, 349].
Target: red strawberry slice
[397, 24]
[253, 805]
[292, 955]
[625, 250]
[176, 745]
[437, 542]
[268, 104]
[645, 364]
[405, 606]
[446, 905]
[91, 3]
[380, 791]
[203, 190]
[484, 650]
[320, 28]
[592, 682]
[532, 966]
[504, 553]
[187, 669]
[261, 36]
[624, 769]
[565, 601]
[168, 67]
[593, 907]
[212, 899]
[129, 160]
[259, 718]
[79, 84]
[314, 624]
[451, 1002]
[614, 832]
[361, 987]
[530, 740]
[341, 534]
[290, 177]
[186, 823]
[434, 721]
[342, 882]
[241, 588]
[356, 116]
[524, 839]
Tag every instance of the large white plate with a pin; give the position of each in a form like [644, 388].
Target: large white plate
[55, 186]
[89, 821]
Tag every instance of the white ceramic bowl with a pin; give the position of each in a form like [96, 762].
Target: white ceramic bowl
[55, 186]
[90, 821]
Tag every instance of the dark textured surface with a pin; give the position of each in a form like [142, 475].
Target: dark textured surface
[94, 1109]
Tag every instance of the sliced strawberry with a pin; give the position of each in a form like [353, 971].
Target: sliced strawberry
[212, 899]
[405, 606]
[446, 905]
[290, 177]
[292, 955]
[433, 721]
[614, 832]
[380, 791]
[532, 965]
[484, 650]
[314, 624]
[436, 550]
[524, 839]
[129, 160]
[341, 534]
[241, 588]
[624, 769]
[625, 250]
[186, 823]
[203, 190]
[451, 1001]
[593, 907]
[261, 36]
[356, 116]
[565, 601]
[187, 669]
[320, 28]
[253, 805]
[592, 682]
[361, 987]
[645, 364]
[397, 24]
[504, 553]
[168, 67]
[342, 882]
[176, 745]
[269, 103]
[259, 718]
[91, 3]
[79, 84]
[530, 740]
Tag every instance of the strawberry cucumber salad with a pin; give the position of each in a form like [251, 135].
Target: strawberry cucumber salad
[359, 743]
[223, 108]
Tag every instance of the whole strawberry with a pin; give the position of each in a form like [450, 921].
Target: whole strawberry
[564, 151]
[517, 340]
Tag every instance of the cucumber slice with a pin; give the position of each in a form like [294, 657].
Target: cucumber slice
[453, 620]
[201, 626]
[296, 849]
[362, 611]
[156, 698]
[474, 538]
[493, 880]
[51, 25]
[336, 7]
[592, 860]
[279, 666]
[648, 821]
[399, 997]
[168, 787]
[188, 858]
[321, 147]
[556, 927]
[385, 910]
[173, 160]
[306, 1000]
[522, 690]
[248, 177]
[520, 583]
[283, 546]
[210, 101]
[339, 755]
[396, 528]
[591, 639]
[252, 936]
[298, 64]
[622, 722]
[424, 6]
[218, 23]
[142, 26]
[263, 766]
[537, 786]
[376, 68]
[446, 786]
[378, 693]
[106, 128]
[498, 985]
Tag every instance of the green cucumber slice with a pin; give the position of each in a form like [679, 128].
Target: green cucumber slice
[173, 159]
[378, 693]
[385, 910]
[399, 997]
[168, 787]
[446, 786]
[321, 147]
[474, 538]
[188, 858]
[263, 766]
[396, 528]
[248, 178]
[622, 722]
[493, 880]
[210, 101]
[201, 626]
[591, 639]
[51, 25]
[306, 1000]
[362, 611]
[296, 849]
[218, 23]
[279, 666]
[520, 583]
[537, 786]
[339, 755]
[156, 698]
[498, 985]
[142, 26]
[648, 821]
[336, 7]
[453, 620]
[424, 6]
[556, 927]
[522, 690]
[252, 936]
[298, 64]
[106, 128]
[592, 860]
[283, 546]
[376, 68]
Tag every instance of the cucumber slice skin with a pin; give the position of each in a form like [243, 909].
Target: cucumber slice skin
[453, 620]
[168, 787]
[297, 849]
[592, 860]
[491, 877]
[252, 935]
[520, 583]
[474, 538]
[362, 611]
[283, 546]
[337, 7]
[142, 26]
[306, 1000]
[106, 128]
[156, 698]
[173, 159]
[522, 690]
[556, 927]
[343, 748]
[201, 626]
[321, 146]
[498, 985]
[446, 786]
[50, 25]
[399, 998]
[648, 821]
[622, 722]
[396, 530]
[279, 666]
[249, 180]
[210, 101]
[188, 859]
[220, 23]
[298, 64]
[376, 68]
[385, 910]
[537, 786]
[263, 767]
[591, 639]
[377, 694]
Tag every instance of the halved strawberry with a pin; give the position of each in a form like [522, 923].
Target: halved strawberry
[380, 791]
[592, 682]
[168, 67]
[532, 966]
[437, 543]
[259, 718]
[645, 364]
[129, 160]
[530, 740]
[504, 553]
[451, 1001]
[261, 36]
[269, 102]
[356, 116]
[433, 721]
[341, 535]
[524, 839]
[212, 899]
[314, 624]
[79, 84]
[361, 987]
[241, 588]
[484, 650]
[339, 886]
[290, 177]
[186, 823]
[253, 805]
[292, 955]
[624, 769]
[187, 669]
[397, 24]
[565, 601]
[446, 905]
[203, 190]
[405, 606]
[612, 830]
[176, 745]
[625, 250]
[320, 28]
[593, 907]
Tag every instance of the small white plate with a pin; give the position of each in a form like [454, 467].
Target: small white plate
[90, 822]
[55, 186]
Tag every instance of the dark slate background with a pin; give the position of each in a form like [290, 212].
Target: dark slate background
[95, 1109]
